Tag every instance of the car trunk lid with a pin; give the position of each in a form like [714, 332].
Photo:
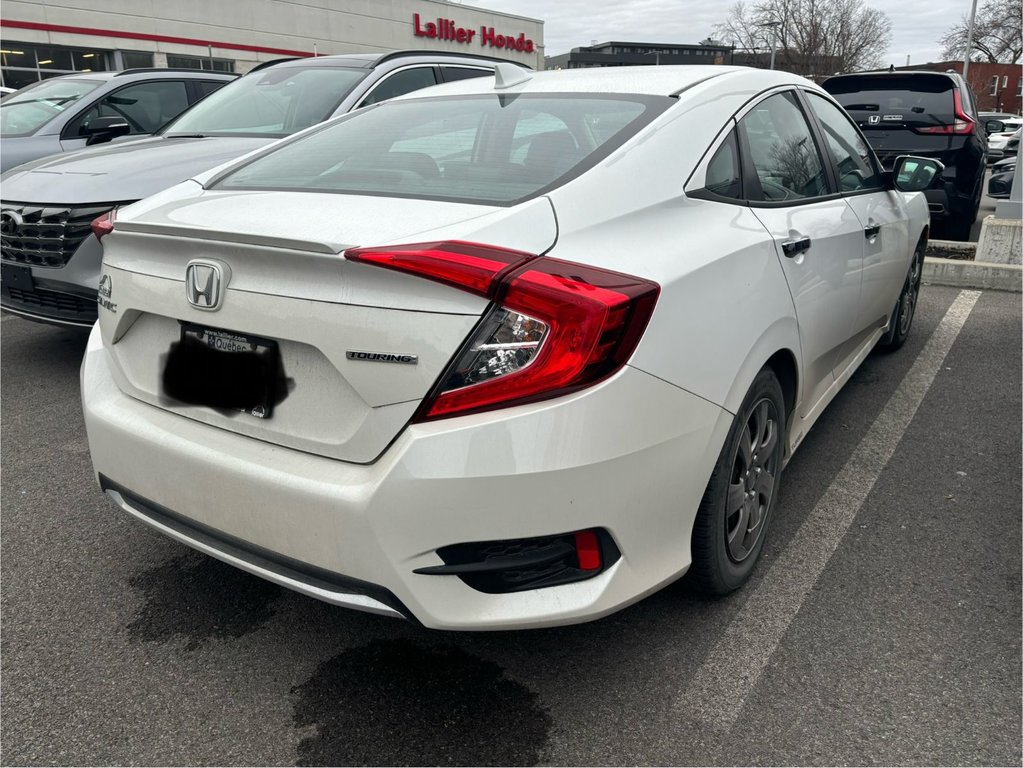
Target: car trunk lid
[359, 346]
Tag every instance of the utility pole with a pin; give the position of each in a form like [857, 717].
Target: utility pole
[774, 35]
[969, 43]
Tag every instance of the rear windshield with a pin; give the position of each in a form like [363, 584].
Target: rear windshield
[489, 149]
[31, 108]
[275, 102]
[916, 100]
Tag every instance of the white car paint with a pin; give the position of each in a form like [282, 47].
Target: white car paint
[339, 480]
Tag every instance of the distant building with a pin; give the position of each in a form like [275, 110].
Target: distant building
[997, 87]
[619, 54]
[46, 38]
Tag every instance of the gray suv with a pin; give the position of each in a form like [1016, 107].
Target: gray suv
[50, 260]
[62, 114]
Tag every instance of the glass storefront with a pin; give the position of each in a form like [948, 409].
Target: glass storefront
[22, 64]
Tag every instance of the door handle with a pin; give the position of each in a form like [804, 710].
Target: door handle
[872, 231]
[794, 247]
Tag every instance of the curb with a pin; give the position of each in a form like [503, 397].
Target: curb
[972, 274]
[951, 249]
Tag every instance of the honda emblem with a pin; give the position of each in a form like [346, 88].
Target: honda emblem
[205, 282]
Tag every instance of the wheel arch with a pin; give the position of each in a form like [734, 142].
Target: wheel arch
[778, 347]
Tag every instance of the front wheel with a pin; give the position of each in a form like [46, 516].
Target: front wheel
[905, 309]
[731, 523]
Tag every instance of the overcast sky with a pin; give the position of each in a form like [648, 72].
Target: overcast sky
[917, 25]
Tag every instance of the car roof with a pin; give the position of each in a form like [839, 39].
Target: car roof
[372, 60]
[148, 73]
[883, 73]
[650, 80]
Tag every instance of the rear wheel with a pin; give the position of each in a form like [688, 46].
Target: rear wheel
[905, 308]
[733, 517]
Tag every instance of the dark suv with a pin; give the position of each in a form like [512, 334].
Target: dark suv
[928, 114]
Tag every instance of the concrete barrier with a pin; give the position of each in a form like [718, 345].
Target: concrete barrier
[972, 274]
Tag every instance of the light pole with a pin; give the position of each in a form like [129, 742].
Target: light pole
[774, 35]
[969, 42]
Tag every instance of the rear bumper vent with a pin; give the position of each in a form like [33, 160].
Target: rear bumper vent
[516, 565]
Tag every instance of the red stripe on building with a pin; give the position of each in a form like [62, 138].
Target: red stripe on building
[142, 36]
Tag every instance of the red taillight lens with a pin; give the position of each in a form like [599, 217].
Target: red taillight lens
[962, 125]
[103, 225]
[469, 266]
[555, 326]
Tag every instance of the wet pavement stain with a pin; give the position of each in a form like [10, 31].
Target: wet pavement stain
[393, 702]
[199, 598]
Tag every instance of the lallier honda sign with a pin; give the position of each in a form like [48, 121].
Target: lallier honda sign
[446, 29]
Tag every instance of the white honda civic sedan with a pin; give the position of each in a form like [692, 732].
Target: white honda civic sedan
[510, 352]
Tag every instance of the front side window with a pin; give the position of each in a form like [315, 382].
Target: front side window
[145, 106]
[782, 151]
[854, 160]
[480, 149]
[273, 102]
[31, 108]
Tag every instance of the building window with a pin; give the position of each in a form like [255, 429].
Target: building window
[1019, 87]
[135, 60]
[200, 62]
[22, 64]
[994, 85]
[1005, 82]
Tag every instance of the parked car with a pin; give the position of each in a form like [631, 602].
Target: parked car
[998, 139]
[999, 185]
[930, 114]
[55, 281]
[66, 113]
[514, 351]
[5, 92]
[985, 116]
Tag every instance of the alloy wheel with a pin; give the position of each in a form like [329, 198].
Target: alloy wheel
[907, 307]
[752, 480]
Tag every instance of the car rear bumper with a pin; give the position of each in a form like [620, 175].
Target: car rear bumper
[630, 456]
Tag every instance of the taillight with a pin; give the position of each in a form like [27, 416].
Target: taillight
[103, 225]
[554, 327]
[961, 126]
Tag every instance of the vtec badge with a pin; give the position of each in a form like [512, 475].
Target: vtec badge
[382, 357]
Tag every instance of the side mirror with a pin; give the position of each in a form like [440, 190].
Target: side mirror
[913, 174]
[102, 129]
[994, 126]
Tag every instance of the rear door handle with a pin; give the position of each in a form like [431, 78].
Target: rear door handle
[872, 231]
[794, 247]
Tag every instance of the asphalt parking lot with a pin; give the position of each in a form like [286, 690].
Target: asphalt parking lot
[882, 626]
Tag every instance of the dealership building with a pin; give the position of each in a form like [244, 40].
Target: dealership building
[45, 38]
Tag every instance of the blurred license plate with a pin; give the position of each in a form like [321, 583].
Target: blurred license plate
[223, 370]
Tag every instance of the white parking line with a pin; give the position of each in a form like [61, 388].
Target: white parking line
[719, 689]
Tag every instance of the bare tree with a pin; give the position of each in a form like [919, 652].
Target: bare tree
[815, 37]
[997, 34]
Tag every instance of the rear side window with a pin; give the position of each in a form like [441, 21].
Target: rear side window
[723, 171]
[853, 158]
[400, 83]
[451, 74]
[485, 149]
[893, 101]
[144, 106]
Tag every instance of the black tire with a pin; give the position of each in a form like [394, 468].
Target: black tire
[722, 562]
[905, 308]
